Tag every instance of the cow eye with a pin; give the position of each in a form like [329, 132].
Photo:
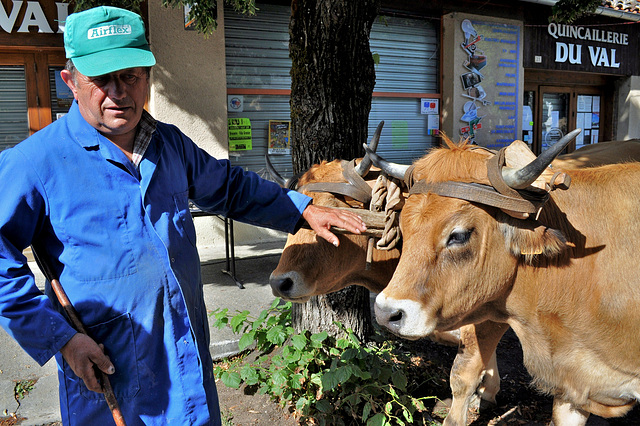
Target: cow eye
[459, 237]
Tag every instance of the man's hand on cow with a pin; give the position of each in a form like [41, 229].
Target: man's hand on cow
[321, 219]
[83, 354]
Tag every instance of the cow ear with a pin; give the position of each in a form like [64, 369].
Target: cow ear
[530, 239]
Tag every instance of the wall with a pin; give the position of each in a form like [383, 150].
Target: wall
[628, 125]
[189, 89]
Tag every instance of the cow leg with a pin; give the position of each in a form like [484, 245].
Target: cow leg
[566, 414]
[476, 355]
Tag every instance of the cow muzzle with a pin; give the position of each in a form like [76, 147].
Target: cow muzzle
[405, 318]
[289, 286]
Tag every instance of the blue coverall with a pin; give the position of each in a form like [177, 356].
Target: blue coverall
[122, 242]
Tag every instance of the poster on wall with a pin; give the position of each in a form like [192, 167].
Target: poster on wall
[64, 95]
[488, 68]
[239, 134]
[279, 137]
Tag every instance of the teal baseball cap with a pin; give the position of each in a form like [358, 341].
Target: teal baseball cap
[105, 39]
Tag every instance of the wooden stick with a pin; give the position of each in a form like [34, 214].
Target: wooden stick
[109, 396]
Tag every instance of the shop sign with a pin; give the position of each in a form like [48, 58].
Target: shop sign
[22, 16]
[605, 49]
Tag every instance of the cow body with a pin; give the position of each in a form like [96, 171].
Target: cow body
[568, 283]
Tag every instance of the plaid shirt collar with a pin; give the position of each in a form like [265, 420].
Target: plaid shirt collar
[146, 127]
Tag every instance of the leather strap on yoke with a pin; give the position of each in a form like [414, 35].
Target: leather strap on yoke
[483, 194]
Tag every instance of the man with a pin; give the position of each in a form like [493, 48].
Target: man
[103, 193]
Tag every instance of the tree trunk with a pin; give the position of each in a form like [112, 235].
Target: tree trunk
[332, 80]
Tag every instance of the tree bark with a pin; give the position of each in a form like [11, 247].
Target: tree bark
[332, 80]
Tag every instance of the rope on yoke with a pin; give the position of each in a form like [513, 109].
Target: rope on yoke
[387, 195]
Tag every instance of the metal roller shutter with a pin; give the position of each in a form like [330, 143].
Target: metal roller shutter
[14, 120]
[257, 57]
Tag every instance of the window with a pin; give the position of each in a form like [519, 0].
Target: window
[31, 95]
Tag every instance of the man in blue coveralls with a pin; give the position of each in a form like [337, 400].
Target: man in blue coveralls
[103, 193]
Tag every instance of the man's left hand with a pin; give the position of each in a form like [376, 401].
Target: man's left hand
[321, 219]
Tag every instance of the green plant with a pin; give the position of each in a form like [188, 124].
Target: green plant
[330, 380]
[23, 387]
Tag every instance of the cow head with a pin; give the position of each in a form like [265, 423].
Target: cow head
[310, 266]
[460, 257]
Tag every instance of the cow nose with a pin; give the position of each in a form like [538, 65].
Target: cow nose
[281, 285]
[390, 318]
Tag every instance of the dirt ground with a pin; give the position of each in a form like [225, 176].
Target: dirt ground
[518, 402]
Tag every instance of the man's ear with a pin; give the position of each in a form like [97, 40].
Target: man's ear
[67, 77]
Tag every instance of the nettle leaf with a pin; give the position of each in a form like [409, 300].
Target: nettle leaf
[296, 380]
[324, 406]
[319, 337]
[366, 410]
[378, 420]
[238, 320]
[329, 381]
[249, 374]
[344, 373]
[399, 380]
[246, 340]
[231, 379]
[349, 354]
[299, 341]
[276, 335]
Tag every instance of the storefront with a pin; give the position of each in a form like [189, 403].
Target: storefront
[572, 78]
[32, 94]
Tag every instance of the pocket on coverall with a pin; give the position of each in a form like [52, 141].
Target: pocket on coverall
[118, 339]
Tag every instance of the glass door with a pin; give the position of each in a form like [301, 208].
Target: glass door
[555, 104]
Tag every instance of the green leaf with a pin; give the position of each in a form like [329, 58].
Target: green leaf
[344, 373]
[249, 375]
[238, 320]
[319, 337]
[366, 410]
[399, 380]
[329, 381]
[324, 406]
[231, 379]
[246, 340]
[378, 420]
[299, 341]
[276, 335]
[388, 407]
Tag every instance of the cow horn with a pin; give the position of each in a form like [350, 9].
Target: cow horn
[274, 174]
[521, 178]
[392, 169]
[365, 165]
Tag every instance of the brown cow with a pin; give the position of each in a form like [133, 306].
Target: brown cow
[310, 266]
[567, 283]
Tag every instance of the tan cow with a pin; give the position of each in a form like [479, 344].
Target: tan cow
[568, 283]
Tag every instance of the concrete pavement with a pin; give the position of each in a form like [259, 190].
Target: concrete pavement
[254, 263]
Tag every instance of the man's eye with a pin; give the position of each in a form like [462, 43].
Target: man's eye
[129, 78]
[100, 81]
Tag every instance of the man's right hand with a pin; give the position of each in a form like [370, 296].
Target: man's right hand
[82, 354]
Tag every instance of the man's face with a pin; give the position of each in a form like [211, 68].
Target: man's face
[111, 103]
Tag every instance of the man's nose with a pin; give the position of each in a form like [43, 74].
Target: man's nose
[116, 88]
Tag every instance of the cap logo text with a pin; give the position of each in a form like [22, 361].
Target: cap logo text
[108, 30]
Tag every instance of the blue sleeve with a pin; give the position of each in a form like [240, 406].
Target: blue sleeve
[25, 313]
[217, 187]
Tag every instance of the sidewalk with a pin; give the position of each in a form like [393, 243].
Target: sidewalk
[254, 263]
